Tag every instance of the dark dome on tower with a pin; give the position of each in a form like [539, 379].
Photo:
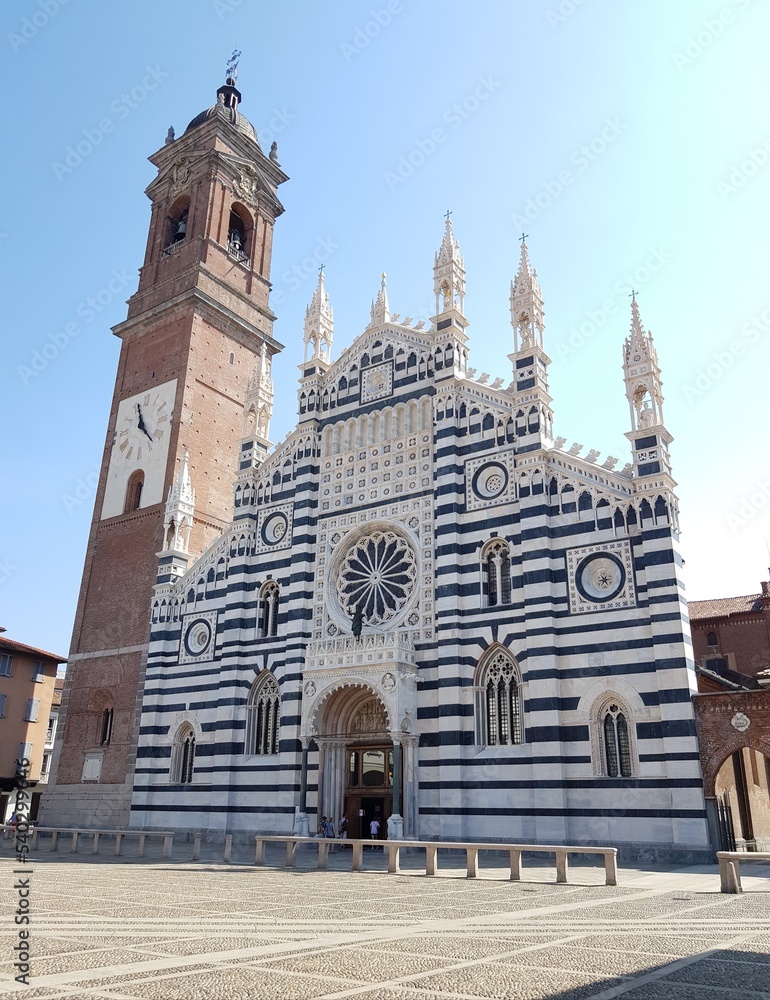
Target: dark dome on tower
[228, 99]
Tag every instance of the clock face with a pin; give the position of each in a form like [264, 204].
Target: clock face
[143, 427]
[140, 449]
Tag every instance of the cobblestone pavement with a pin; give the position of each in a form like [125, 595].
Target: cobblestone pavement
[122, 928]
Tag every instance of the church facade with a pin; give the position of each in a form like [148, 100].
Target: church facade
[418, 608]
[425, 610]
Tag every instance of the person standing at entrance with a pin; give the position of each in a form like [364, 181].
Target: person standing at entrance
[343, 828]
[374, 829]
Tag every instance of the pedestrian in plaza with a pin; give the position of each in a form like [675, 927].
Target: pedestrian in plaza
[330, 831]
[374, 830]
[342, 831]
[322, 827]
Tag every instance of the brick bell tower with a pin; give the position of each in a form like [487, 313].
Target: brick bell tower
[196, 326]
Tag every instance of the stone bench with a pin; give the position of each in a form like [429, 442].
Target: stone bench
[393, 847]
[75, 833]
[730, 867]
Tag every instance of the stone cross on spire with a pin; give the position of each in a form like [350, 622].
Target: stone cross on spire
[380, 311]
[527, 315]
[449, 272]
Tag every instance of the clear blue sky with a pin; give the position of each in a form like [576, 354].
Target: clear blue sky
[629, 139]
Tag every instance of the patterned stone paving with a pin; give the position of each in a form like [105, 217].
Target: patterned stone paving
[206, 931]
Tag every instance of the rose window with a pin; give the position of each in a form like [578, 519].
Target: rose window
[378, 576]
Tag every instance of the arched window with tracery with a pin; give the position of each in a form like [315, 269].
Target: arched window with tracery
[263, 715]
[498, 702]
[496, 561]
[269, 597]
[616, 741]
[183, 755]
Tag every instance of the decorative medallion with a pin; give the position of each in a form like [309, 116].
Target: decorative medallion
[310, 689]
[740, 722]
[378, 576]
[274, 528]
[601, 577]
[376, 382]
[198, 635]
[180, 174]
[245, 185]
[388, 682]
[489, 481]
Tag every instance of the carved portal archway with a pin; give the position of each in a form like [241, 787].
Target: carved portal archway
[366, 770]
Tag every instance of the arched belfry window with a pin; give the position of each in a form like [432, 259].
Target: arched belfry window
[616, 741]
[263, 716]
[269, 597]
[183, 755]
[134, 488]
[496, 568]
[498, 702]
[237, 237]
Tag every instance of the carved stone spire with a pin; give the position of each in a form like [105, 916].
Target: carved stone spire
[644, 389]
[258, 405]
[527, 316]
[319, 324]
[449, 273]
[180, 508]
[380, 312]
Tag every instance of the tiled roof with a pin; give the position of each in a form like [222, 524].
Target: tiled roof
[721, 607]
[19, 647]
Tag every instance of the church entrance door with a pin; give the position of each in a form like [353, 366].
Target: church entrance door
[368, 788]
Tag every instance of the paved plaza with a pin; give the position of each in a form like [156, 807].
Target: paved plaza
[123, 928]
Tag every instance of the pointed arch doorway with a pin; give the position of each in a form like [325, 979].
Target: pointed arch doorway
[360, 767]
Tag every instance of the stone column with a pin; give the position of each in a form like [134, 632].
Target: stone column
[410, 806]
[396, 822]
[301, 824]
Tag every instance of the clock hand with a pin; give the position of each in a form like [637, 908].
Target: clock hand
[141, 425]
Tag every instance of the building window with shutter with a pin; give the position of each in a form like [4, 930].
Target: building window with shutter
[33, 708]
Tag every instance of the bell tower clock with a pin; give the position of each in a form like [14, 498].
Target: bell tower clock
[195, 327]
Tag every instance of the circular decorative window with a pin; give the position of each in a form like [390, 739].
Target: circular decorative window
[490, 480]
[197, 637]
[274, 529]
[600, 577]
[377, 576]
